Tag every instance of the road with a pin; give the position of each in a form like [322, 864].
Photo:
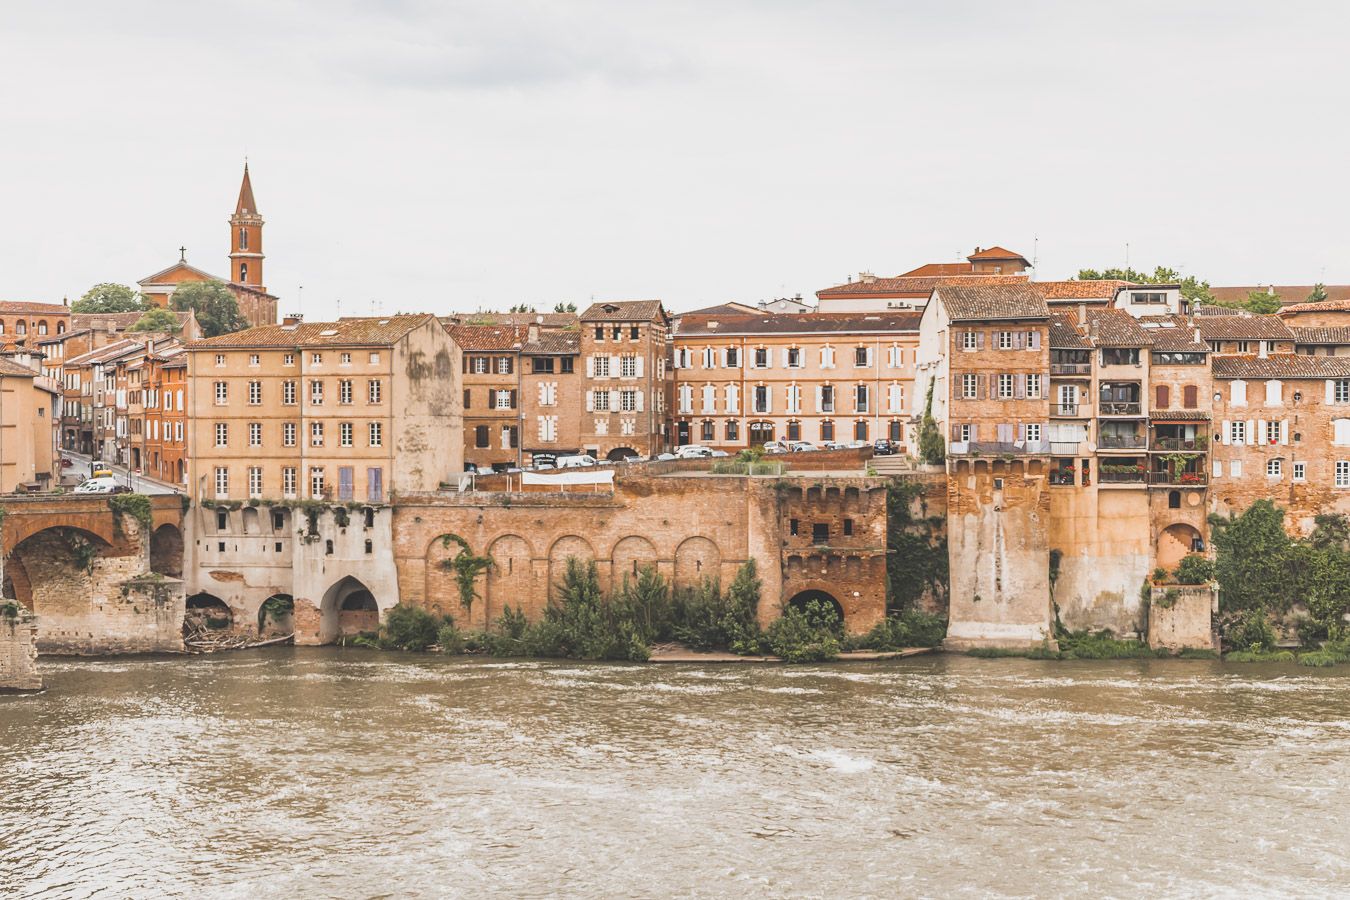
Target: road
[141, 484]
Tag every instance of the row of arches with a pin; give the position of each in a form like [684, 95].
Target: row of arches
[347, 608]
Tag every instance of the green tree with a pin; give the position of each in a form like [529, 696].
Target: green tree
[1262, 302]
[1319, 293]
[217, 310]
[932, 449]
[1192, 288]
[1254, 553]
[522, 308]
[109, 298]
[565, 308]
[156, 319]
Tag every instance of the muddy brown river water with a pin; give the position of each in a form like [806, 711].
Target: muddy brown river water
[349, 773]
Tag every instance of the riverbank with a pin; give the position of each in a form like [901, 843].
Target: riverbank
[677, 653]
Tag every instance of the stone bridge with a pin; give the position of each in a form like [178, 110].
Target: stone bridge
[98, 580]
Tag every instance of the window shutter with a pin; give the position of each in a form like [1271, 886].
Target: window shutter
[961, 341]
[639, 401]
[1251, 433]
[1331, 392]
[590, 400]
[1284, 431]
[1261, 432]
[768, 401]
[1227, 432]
[979, 340]
[543, 394]
[513, 399]
[1019, 342]
[614, 401]
[956, 432]
[639, 367]
[820, 399]
[1021, 431]
[590, 367]
[1162, 396]
[1020, 387]
[1035, 340]
[615, 362]
[974, 433]
[981, 385]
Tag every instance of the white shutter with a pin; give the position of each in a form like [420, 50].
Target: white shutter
[1284, 431]
[1260, 436]
[590, 399]
[896, 401]
[614, 401]
[1218, 468]
[590, 367]
[614, 363]
[1227, 432]
[768, 401]
[1251, 433]
[785, 357]
[639, 401]
[639, 367]
[1331, 392]
[543, 394]
[820, 398]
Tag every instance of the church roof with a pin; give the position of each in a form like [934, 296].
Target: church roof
[246, 205]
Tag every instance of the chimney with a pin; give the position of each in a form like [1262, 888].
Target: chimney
[1198, 339]
[1082, 312]
[1092, 329]
[293, 319]
[533, 333]
[867, 277]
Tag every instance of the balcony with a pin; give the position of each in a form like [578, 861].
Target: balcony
[1119, 408]
[1121, 475]
[998, 448]
[1121, 442]
[1071, 368]
[1071, 410]
[1197, 444]
[1194, 478]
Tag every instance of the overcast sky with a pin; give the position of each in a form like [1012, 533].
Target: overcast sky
[463, 155]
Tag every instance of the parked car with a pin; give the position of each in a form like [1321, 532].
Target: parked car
[718, 454]
[835, 445]
[67, 462]
[776, 447]
[692, 451]
[577, 461]
[665, 457]
[884, 447]
[802, 447]
[856, 445]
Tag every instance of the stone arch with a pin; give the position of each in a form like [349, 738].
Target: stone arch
[51, 571]
[1175, 542]
[695, 559]
[510, 578]
[206, 613]
[801, 599]
[166, 551]
[249, 520]
[629, 556]
[441, 588]
[276, 616]
[619, 454]
[569, 545]
[348, 608]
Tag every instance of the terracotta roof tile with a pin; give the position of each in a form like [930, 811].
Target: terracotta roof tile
[625, 311]
[11, 368]
[1103, 289]
[1174, 333]
[1332, 334]
[730, 308]
[970, 302]
[800, 323]
[103, 354]
[345, 332]
[543, 320]
[1246, 327]
[939, 269]
[17, 307]
[1064, 333]
[120, 321]
[1295, 309]
[1289, 294]
[1116, 328]
[556, 343]
[1282, 365]
[917, 287]
[1178, 415]
[996, 253]
[487, 337]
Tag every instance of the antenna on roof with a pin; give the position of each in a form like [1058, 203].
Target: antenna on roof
[1035, 254]
[1127, 256]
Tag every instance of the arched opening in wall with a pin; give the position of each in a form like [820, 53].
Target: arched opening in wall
[206, 613]
[563, 548]
[619, 454]
[250, 520]
[1174, 499]
[50, 572]
[348, 609]
[760, 432]
[1174, 543]
[696, 558]
[276, 616]
[803, 601]
[629, 557]
[166, 551]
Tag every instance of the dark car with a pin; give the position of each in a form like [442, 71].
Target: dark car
[883, 447]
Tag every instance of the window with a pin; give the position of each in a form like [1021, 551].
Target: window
[848, 528]
[1005, 340]
[222, 434]
[827, 430]
[600, 401]
[1149, 298]
[761, 399]
[375, 358]
[1244, 346]
[1034, 387]
[969, 340]
[288, 434]
[480, 437]
[345, 434]
[288, 479]
[478, 365]
[1120, 356]
[1005, 387]
[223, 481]
[599, 332]
[288, 392]
[255, 481]
[220, 359]
[1033, 432]
[504, 366]
[255, 434]
[820, 532]
[969, 385]
[316, 359]
[1274, 468]
[344, 359]
[243, 272]
[316, 434]
[793, 527]
[541, 365]
[600, 366]
[1190, 396]
[1235, 468]
[316, 482]
[288, 359]
[1238, 432]
[376, 434]
[1272, 433]
[860, 430]
[794, 430]
[1341, 391]
[707, 431]
[1300, 471]
[617, 332]
[222, 393]
[633, 332]
[1174, 499]
[502, 400]
[628, 402]
[375, 391]
[566, 365]
[316, 393]
[861, 357]
[733, 357]
[628, 367]
[345, 391]
[761, 358]
[860, 398]
[794, 358]
[253, 360]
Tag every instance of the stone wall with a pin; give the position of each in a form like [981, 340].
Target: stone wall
[1185, 622]
[18, 651]
[1102, 534]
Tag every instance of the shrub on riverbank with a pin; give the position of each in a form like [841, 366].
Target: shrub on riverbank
[908, 628]
[409, 628]
[806, 634]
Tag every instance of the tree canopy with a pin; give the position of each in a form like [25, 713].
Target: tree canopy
[1319, 293]
[156, 319]
[1192, 288]
[1262, 302]
[109, 297]
[565, 308]
[214, 304]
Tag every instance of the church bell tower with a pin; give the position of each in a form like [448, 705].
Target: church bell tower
[246, 256]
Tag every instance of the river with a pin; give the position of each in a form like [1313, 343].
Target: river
[349, 773]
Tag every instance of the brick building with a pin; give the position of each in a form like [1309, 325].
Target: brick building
[623, 346]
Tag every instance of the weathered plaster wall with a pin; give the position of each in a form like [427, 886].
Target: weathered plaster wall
[1186, 624]
[1103, 534]
[18, 653]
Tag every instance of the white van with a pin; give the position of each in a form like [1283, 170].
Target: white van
[580, 461]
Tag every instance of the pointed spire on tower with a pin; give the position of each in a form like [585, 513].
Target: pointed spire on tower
[246, 206]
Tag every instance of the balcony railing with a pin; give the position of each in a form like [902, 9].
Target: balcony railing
[1071, 410]
[1183, 478]
[997, 448]
[1131, 476]
[1121, 442]
[1071, 368]
[1068, 448]
[1198, 444]
[1119, 408]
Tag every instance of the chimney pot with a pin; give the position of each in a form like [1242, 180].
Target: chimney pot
[533, 332]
